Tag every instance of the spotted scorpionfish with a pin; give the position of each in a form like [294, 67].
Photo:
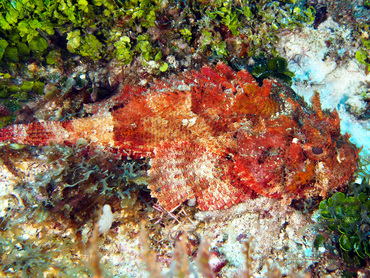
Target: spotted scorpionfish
[216, 136]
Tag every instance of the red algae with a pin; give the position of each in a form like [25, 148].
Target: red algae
[214, 135]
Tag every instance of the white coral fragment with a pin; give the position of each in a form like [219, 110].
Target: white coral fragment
[106, 219]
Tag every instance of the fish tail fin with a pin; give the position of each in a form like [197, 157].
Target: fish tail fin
[96, 130]
[35, 134]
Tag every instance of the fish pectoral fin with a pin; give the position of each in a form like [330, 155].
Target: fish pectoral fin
[182, 170]
[179, 171]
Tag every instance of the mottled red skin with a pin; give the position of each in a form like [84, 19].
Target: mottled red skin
[215, 135]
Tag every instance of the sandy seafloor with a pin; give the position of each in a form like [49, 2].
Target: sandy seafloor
[280, 237]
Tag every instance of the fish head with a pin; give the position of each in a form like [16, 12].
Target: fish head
[300, 154]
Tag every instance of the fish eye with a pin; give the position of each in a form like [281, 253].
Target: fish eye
[317, 150]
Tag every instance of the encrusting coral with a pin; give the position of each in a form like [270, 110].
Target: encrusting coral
[214, 135]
